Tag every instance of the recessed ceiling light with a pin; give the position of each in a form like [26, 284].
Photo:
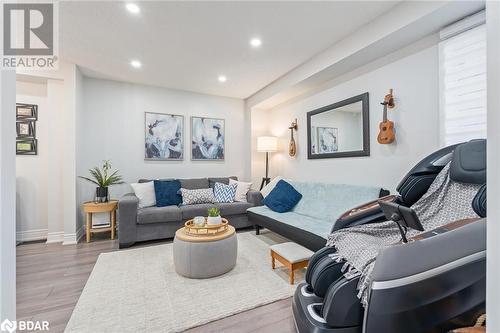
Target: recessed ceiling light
[136, 64]
[222, 78]
[255, 42]
[133, 8]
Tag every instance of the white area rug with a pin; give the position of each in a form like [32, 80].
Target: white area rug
[138, 290]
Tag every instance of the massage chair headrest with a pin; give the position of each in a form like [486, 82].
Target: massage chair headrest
[468, 164]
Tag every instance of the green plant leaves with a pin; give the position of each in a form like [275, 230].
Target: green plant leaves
[101, 178]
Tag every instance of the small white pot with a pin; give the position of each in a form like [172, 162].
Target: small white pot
[214, 220]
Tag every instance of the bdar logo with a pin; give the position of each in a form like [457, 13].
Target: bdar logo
[8, 326]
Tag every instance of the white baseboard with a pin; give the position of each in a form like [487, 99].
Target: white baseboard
[55, 237]
[73, 238]
[31, 235]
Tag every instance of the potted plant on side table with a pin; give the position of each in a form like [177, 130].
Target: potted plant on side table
[103, 179]
[214, 216]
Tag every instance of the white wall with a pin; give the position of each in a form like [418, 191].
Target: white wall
[32, 170]
[414, 79]
[113, 128]
[7, 196]
[493, 246]
[62, 94]
[56, 161]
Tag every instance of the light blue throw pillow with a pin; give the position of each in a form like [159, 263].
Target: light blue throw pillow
[224, 193]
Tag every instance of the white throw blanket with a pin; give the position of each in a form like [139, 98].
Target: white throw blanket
[445, 201]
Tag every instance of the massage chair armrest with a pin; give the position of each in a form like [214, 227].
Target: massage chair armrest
[369, 212]
[430, 255]
[255, 197]
[127, 215]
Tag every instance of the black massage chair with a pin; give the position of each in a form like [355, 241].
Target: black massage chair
[435, 282]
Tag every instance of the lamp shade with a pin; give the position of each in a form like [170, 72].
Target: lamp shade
[267, 144]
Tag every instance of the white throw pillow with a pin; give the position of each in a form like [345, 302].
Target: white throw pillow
[242, 189]
[146, 193]
[269, 187]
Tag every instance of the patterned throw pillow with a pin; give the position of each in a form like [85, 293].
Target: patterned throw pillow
[192, 197]
[224, 193]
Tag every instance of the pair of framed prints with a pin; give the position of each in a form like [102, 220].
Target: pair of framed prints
[164, 138]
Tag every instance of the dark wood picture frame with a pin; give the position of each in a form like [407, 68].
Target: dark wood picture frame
[365, 100]
[33, 147]
[26, 111]
[31, 129]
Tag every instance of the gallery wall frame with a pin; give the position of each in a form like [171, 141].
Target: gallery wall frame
[208, 139]
[26, 129]
[163, 137]
[26, 118]
[27, 147]
[26, 111]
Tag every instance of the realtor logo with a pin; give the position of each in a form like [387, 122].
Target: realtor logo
[29, 35]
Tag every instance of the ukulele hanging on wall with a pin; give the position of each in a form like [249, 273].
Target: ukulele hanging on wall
[386, 134]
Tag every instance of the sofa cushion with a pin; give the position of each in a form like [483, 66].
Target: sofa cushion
[234, 208]
[158, 214]
[223, 180]
[282, 198]
[194, 183]
[200, 196]
[166, 192]
[329, 201]
[242, 189]
[190, 211]
[269, 187]
[224, 193]
[146, 194]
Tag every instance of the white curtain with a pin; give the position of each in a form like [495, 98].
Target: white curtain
[462, 62]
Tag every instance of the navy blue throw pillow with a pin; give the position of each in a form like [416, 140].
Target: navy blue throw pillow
[166, 192]
[282, 198]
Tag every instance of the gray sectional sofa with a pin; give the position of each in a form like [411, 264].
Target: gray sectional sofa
[143, 224]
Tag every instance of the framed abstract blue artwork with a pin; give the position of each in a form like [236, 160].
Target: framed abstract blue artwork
[207, 139]
[164, 136]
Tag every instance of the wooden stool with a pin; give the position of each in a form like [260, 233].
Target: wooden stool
[106, 207]
[291, 255]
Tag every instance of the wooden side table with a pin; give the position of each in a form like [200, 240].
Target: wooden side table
[107, 207]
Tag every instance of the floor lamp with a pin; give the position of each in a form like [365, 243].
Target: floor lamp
[267, 144]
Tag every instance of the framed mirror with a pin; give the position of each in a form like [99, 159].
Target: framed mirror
[339, 130]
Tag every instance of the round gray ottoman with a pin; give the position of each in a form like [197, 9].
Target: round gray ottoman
[204, 257]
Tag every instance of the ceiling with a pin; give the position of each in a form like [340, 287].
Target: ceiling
[187, 45]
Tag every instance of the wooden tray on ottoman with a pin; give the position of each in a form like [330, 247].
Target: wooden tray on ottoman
[207, 229]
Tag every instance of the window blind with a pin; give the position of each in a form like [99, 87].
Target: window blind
[462, 62]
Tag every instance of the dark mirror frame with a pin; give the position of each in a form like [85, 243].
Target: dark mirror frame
[364, 98]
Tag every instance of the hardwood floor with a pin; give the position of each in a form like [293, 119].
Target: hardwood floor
[50, 278]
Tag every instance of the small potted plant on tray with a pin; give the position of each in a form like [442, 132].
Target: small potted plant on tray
[214, 216]
[103, 179]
